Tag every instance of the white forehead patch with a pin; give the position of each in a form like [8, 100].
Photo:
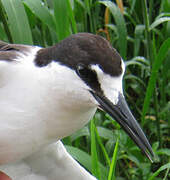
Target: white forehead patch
[110, 85]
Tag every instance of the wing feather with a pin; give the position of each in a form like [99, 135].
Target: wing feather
[10, 52]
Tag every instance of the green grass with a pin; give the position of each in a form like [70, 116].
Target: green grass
[141, 35]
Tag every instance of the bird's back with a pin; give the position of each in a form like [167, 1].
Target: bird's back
[17, 108]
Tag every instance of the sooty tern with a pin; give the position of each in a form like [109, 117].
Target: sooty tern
[49, 93]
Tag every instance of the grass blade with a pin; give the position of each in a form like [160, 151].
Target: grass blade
[17, 18]
[2, 33]
[95, 167]
[113, 163]
[165, 47]
[102, 147]
[158, 22]
[42, 12]
[121, 26]
[85, 159]
[82, 132]
[5, 24]
[61, 12]
[166, 166]
[139, 31]
[72, 18]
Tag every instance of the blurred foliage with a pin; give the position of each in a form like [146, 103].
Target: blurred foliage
[140, 31]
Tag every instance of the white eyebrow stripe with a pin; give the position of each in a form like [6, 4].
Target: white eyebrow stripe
[111, 86]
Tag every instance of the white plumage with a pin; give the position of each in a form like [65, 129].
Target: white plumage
[51, 163]
[43, 100]
[32, 105]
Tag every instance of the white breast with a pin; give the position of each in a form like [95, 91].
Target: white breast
[52, 162]
[39, 106]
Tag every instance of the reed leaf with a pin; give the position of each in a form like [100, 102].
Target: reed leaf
[85, 159]
[158, 22]
[165, 47]
[42, 12]
[18, 21]
[121, 27]
[61, 12]
[95, 166]
[156, 173]
[113, 162]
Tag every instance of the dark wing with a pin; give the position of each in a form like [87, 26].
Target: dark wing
[10, 52]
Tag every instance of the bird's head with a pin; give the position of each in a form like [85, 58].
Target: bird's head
[100, 68]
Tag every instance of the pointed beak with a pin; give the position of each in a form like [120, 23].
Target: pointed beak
[121, 113]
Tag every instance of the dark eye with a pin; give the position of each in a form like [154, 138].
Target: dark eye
[82, 71]
[89, 76]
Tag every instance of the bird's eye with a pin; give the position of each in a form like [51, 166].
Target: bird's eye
[89, 76]
[82, 71]
[86, 74]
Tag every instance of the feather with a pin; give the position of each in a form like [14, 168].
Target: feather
[10, 52]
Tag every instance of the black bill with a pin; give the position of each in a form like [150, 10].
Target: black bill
[121, 113]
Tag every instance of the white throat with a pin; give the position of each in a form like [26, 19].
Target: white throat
[39, 106]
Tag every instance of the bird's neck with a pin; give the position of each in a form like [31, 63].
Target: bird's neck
[49, 104]
[70, 105]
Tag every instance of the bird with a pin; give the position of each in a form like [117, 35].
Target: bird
[47, 94]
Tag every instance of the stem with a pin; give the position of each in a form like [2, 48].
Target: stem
[149, 44]
[150, 10]
[95, 165]
[113, 163]
[166, 174]
[147, 31]
[88, 6]
[156, 104]
[157, 118]
[102, 147]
